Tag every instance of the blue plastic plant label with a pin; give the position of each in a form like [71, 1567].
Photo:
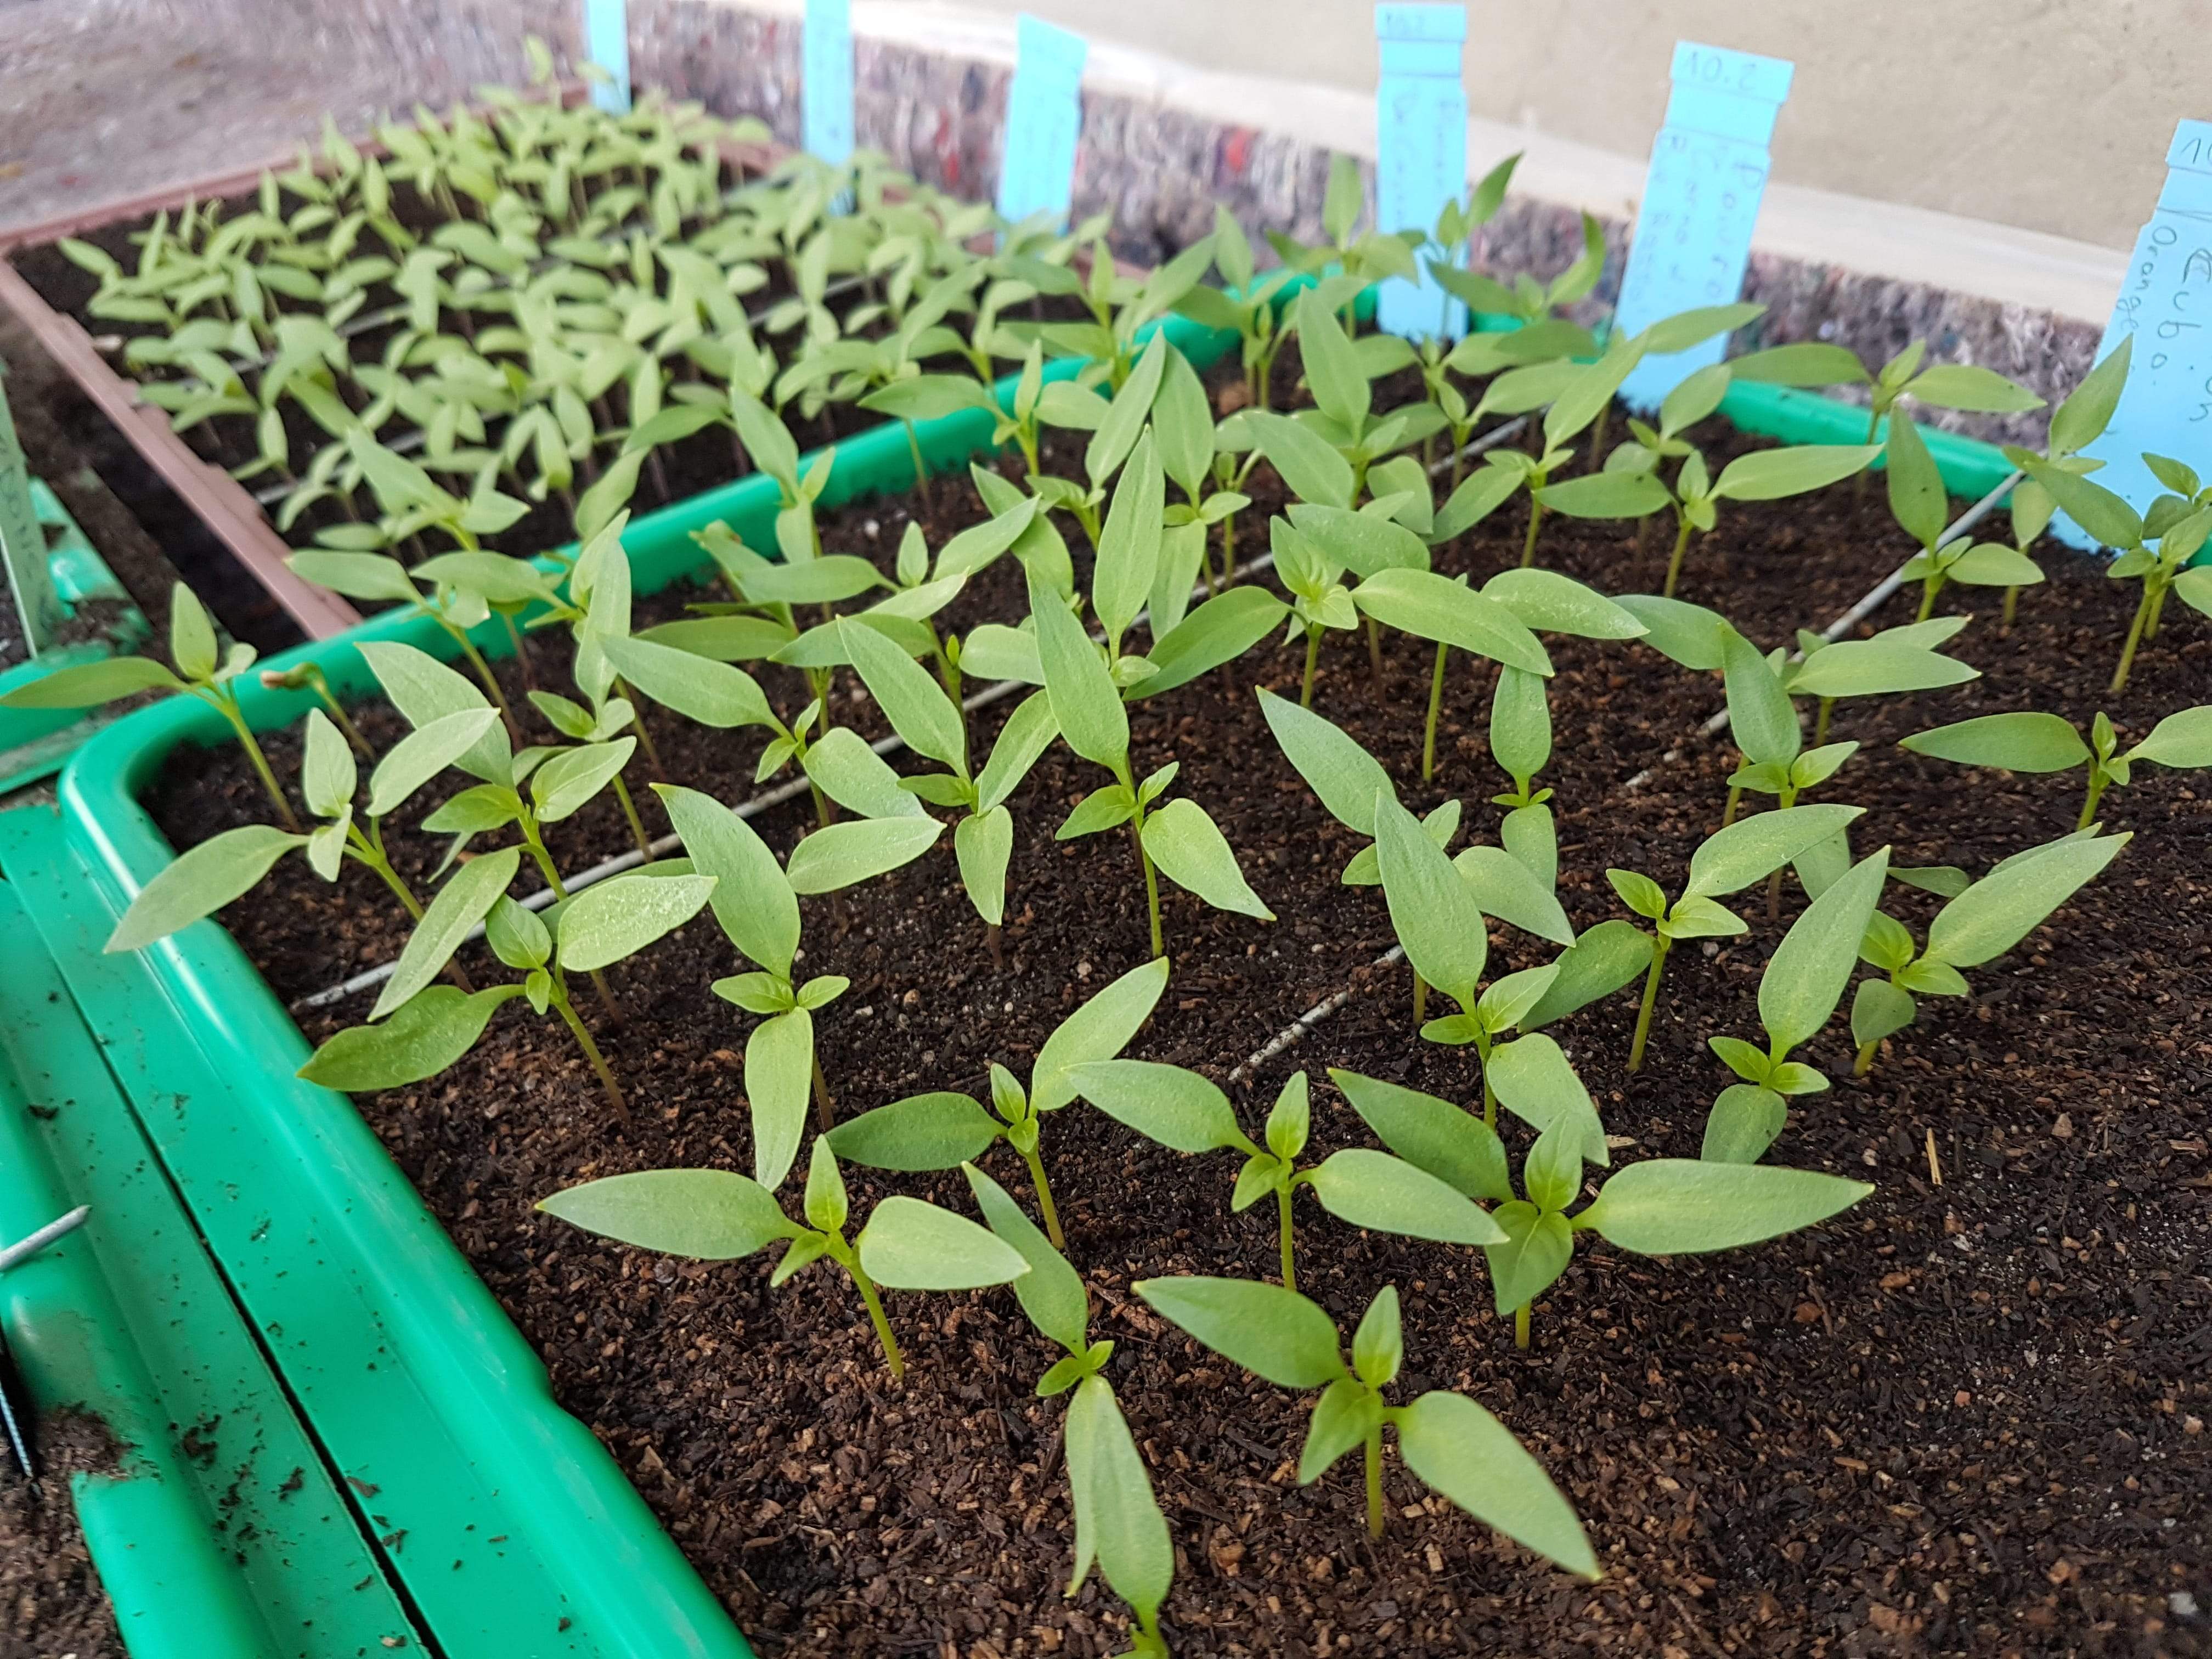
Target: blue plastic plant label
[1044, 118]
[2164, 306]
[1709, 167]
[1420, 153]
[606, 43]
[827, 65]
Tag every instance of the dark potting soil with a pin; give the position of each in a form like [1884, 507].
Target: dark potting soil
[1966, 1416]
[52, 1605]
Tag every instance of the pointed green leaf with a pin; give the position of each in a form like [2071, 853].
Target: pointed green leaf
[1469, 1455]
[1389, 1195]
[1678, 1207]
[709, 1215]
[1272, 1333]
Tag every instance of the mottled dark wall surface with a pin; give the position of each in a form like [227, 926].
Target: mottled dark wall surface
[1161, 171]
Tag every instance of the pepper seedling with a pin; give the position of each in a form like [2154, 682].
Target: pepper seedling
[416, 1029]
[1246, 304]
[1177, 837]
[561, 782]
[756, 904]
[201, 671]
[1660, 1206]
[1798, 993]
[203, 879]
[1348, 780]
[718, 1215]
[1118, 1523]
[1437, 906]
[1457, 1448]
[1964, 386]
[1585, 393]
[1694, 494]
[1921, 507]
[2078, 421]
[1500, 622]
[1895, 660]
[1727, 862]
[1763, 723]
[2028, 742]
[939, 1130]
[1184, 1112]
[1978, 925]
[930, 723]
[2177, 523]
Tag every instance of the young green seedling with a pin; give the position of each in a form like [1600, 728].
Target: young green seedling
[765, 439]
[1175, 837]
[1945, 385]
[1500, 622]
[1118, 1523]
[1347, 781]
[1246, 304]
[1584, 393]
[1726, 862]
[1765, 475]
[1764, 722]
[1798, 993]
[203, 880]
[939, 1130]
[201, 671]
[1438, 909]
[1895, 660]
[1121, 307]
[416, 1029]
[2047, 742]
[2077, 423]
[1538, 1087]
[1185, 1113]
[931, 724]
[2177, 523]
[380, 578]
[560, 783]
[722, 695]
[756, 904]
[1529, 301]
[1457, 1448]
[1661, 1207]
[1184, 430]
[718, 1215]
[1521, 744]
[1921, 504]
[1980, 923]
